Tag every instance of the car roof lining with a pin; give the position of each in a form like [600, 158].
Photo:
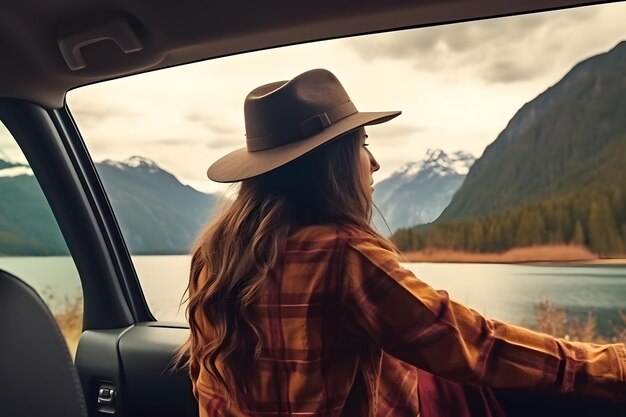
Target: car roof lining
[34, 68]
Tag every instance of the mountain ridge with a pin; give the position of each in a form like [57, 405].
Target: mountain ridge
[544, 145]
[156, 212]
[418, 191]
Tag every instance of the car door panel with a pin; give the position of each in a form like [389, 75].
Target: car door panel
[135, 362]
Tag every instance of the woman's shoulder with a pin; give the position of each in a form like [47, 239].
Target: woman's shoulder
[330, 232]
[313, 232]
[354, 238]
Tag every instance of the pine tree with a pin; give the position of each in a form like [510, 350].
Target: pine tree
[603, 237]
[579, 234]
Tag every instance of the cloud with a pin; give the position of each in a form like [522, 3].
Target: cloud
[504, 50]
[508, 71]
[220, 133]
[393, 130]
[226, 142]
[174, 141]
[214, 124]
[393, 133]
[9, 149]
[92, 114]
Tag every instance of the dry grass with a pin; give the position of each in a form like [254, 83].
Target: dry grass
[70, 322]
[554, 320]
[619, 329]
[546, 253]
[68, 313]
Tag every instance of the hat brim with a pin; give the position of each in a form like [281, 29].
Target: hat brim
[241, 164]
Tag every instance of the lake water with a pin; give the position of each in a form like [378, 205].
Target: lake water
[500, 291]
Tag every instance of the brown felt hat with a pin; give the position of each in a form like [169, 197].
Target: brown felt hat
[287, 119]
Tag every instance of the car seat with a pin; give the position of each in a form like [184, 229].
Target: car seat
[37, 375]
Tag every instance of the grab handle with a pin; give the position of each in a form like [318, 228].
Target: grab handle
[118, 31]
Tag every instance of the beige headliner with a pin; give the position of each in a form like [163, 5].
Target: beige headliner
[173, 32]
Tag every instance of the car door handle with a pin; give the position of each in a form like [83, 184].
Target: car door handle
[106, 395]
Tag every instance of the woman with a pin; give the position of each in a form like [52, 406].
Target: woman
[297, 306]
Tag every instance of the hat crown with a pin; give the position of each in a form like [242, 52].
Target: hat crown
[288, 119]
[287, 111]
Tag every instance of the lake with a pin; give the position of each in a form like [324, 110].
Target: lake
[501, 291]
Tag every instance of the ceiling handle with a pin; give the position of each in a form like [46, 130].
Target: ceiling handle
[117, 30]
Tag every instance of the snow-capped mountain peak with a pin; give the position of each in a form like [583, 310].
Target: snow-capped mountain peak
[140, 161]
[409, 169]
[134, 162]
[462, 162]
[10, 168]
[419, 191]
[435, 154]
[438, 162]
[16, 171]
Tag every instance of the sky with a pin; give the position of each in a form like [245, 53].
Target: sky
[457, 86]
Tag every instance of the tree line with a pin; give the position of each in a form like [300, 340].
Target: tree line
[593, 217]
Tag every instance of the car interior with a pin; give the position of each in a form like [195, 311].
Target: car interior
[123, 361]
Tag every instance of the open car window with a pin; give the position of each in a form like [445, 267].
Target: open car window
[502, 182]
[32, 247]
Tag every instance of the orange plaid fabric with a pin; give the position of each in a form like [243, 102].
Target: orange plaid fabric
[345, 328]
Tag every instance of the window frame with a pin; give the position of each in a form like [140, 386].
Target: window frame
[54, 148]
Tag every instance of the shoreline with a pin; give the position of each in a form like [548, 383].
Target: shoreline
[540, 255]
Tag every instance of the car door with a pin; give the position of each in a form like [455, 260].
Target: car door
[124, 354]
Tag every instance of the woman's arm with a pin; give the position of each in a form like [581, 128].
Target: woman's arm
[410, 320]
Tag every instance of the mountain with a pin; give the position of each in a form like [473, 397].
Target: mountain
[418, 192]
[555, 175]
[571, 138]
[157, 214]
[27, 226]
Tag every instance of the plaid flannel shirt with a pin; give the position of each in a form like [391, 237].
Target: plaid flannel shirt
[345, 327]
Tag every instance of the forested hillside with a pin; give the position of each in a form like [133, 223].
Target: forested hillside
[27, 226]
[595, 218]
[571, 137]
[556, 174]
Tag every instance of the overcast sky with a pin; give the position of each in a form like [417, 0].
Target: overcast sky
[457, 85]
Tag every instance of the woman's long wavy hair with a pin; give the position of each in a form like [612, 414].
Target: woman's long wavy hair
[235, 253]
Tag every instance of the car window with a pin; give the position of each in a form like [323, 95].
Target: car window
[31, 245]
[502, 181]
